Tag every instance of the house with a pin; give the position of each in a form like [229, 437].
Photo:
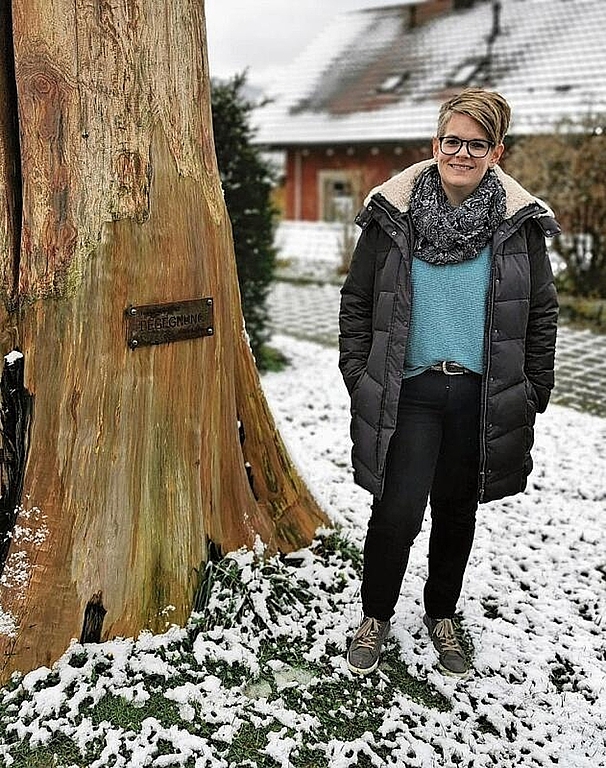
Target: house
[361, 102]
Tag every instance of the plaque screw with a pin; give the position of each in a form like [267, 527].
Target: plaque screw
[209, 302]
[134, 343]
[132, 310]
[210, 331]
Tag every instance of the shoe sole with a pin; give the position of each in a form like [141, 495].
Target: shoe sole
[368, 670]
[450, 673]
[360, 671]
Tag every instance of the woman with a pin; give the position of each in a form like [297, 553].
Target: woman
[447, 338]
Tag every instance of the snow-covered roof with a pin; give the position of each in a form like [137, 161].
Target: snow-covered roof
[371, 75]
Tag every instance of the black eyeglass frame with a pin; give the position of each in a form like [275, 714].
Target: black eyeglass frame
[467, 143]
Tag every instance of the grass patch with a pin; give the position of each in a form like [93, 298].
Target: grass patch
[485, 726]
[60, 751]
[288, 652]
[263, 629]
[246, 748]
[400, 680]
[562, 675]
[125, 714]
[335, 543]
[227, 598]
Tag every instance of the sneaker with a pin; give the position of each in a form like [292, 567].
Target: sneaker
[451, 658]
[365, 648]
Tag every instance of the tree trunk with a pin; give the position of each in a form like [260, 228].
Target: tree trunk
[127, 461]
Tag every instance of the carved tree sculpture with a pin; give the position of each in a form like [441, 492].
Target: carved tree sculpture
[120, 464]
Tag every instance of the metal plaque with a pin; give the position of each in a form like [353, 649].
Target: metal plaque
[162, 323]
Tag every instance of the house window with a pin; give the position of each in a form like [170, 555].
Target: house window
[338, 195]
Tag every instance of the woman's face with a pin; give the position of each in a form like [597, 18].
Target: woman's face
[461, 173]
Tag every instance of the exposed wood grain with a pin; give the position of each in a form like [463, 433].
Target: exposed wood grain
[10, 182]
[135, 459]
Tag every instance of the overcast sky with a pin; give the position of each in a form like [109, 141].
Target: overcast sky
[266, 35]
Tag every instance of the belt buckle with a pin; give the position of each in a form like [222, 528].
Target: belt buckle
[450, 373]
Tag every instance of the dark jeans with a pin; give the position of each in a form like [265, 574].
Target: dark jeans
[433, 453]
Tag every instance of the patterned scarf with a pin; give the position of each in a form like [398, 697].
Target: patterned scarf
[449, 235]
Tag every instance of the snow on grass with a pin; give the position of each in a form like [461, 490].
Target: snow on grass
[258, 676]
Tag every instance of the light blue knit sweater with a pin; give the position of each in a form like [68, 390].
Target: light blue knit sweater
[448, 314]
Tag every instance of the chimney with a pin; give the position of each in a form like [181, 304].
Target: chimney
[496, 20]
[495, 31]
[422, 12]
[461, 5]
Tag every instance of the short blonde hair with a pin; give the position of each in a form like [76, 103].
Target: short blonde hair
[489, 108]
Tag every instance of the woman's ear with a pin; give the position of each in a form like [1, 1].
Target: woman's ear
[435, 146]
[496, 154]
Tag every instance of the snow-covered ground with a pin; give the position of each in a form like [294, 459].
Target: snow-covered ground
[535, 596]
[533, 611]
[314, 250]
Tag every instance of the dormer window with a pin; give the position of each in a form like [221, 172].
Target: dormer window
[466, 72]
[393, 83]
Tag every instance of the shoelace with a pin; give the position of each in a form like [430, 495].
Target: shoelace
[368, 634]
[445, 633]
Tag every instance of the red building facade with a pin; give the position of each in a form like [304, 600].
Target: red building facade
[329, 183]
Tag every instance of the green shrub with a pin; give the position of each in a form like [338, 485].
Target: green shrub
[566, 169]
[247, 179]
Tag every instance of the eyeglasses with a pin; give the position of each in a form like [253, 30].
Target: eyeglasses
[450, 145]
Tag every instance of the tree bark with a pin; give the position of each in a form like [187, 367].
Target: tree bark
[138, 458]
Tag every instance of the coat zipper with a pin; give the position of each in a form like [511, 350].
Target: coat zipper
[484, 403]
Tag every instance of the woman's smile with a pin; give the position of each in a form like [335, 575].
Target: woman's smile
[460, 173]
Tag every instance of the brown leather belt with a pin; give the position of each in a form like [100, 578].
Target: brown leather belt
[450, 368]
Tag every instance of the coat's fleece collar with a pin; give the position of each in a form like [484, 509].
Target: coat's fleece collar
[398, 189]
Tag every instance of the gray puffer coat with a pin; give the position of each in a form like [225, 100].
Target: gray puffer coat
[519, 339]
